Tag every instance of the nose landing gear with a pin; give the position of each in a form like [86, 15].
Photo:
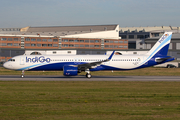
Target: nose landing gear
[22, 74]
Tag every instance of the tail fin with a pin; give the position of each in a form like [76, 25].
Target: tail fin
[162, 45]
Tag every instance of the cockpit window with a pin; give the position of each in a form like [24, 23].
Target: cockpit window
[13, 60]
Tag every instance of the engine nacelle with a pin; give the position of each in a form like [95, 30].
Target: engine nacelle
[70, 71]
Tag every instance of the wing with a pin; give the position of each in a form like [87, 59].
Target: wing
[94, 64]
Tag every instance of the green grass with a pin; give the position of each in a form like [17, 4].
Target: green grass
[139, 72]
[89, 100]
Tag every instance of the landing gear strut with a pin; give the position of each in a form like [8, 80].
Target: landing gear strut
[88, 74]
[22, 74]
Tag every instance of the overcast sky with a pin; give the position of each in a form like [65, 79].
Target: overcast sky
[126, 13]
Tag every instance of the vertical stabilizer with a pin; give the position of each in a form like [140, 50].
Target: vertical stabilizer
[162, 45]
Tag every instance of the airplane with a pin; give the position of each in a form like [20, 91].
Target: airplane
[71, 65]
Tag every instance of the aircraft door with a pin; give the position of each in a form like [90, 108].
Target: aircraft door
[22, 60]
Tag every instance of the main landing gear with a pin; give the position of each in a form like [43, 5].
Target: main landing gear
[88, 74]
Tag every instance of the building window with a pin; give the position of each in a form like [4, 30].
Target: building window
[66, 45]
[111, 41]
[76, 45]
[71, 40]
[44, 40]
[76, 40]
[9, 44]
[86, 45]
[125, 41]
[55, 45]
[120, 41]
[87, 41]
[81, 40]
[96, 46]
[123, 36]
[81, 45]
[9, 39]
[33, 39]
[16, 39]
[125, 46]
[148, 46]
[33, 45]
[65, 40]
[3, 39]
[44, 45]
[49, 40]
[146, 36]
[140, 36]
[39, 45]
[115, 46]
[91, 45]
[131, 36]
[71, 45]
[106, 41]
[96, 41]
[156, 34]
[120, 46]
[91, 41]
[39, 40]
[55, 40]
[27, 39]
[3, 44]
[170, 46]
[115, 41]
[16, 44]
[49, 45]
[106, 46]
[111, 46]
[177, 46]
[27, 44]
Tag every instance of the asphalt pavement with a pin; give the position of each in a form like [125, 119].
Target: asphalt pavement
[83, 78]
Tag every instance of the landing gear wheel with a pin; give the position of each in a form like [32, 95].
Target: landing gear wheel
[88, 75]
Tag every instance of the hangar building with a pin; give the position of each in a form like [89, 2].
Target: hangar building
[96, 38]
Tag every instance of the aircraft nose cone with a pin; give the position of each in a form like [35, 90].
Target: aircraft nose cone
[7, 65]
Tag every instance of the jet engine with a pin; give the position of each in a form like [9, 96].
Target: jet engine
[70, 71]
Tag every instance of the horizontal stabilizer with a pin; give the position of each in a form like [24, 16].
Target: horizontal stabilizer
[159, 60]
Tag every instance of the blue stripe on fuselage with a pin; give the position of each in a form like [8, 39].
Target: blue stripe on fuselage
[54, 66]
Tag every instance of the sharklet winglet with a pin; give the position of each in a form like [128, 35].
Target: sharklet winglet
[110, 57]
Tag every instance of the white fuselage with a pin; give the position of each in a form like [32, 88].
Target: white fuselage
[24, 62]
